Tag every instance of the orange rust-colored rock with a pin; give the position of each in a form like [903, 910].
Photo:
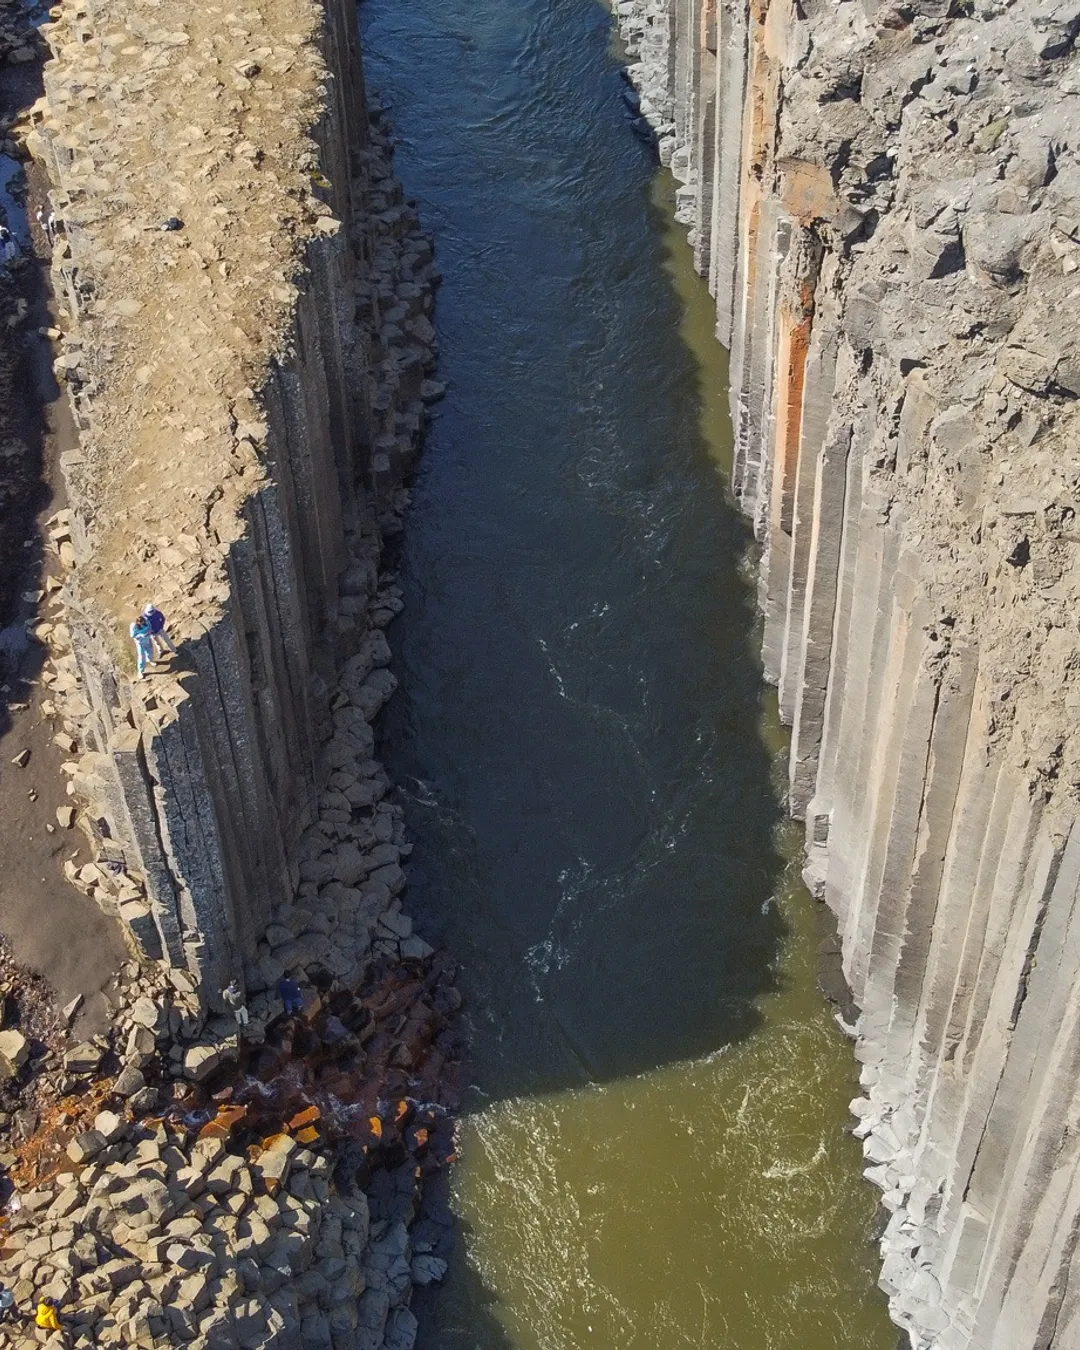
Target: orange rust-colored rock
[306, 1117]
[807, 190]
[223, 1123]
[791, 377]
[42, 1158]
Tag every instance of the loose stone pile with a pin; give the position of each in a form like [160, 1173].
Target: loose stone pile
[394, 302]
[19, 42]
[159, 1237]
[645, 27]
[217, 1198]
[29, 1026]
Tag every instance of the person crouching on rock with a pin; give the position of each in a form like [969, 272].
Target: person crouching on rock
[144, 644]
[48, 1317]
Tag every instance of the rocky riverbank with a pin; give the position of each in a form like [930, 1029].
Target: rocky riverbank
[168, 1182]
[225, 1193]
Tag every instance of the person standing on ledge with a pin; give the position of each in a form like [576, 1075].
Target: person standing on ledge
[159, 637]
[291, 997]
[144, 644]
[234, 998]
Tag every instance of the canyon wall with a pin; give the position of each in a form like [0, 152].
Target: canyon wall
[883, 198]
[247, 387]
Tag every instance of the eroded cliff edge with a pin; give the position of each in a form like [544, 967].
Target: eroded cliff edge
[884, 199]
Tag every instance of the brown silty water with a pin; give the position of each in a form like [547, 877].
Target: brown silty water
[654, 1151]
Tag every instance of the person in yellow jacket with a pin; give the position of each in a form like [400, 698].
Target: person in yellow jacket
[48, 1319]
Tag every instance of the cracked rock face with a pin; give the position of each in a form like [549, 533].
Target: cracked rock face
[883, 199]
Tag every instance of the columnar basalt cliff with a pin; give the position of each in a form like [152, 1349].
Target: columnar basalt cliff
[248, 387]
[244, 301]
[883, 197]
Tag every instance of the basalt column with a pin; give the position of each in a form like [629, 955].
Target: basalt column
[245, 420]
[883, 204]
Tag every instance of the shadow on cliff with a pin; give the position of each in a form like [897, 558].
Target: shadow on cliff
[28, 390]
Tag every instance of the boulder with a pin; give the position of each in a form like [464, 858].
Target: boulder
[144, 1101]
[376, 691]
[401, 1330]
[14, 1052]
[146, 1200]
[207, 1153]
[277, 934]
[192, 1181]
[397, 924]
[427, 1269]
[315, 1332]
[224, 1178]
[86, 1146]
[194, 1291]
[251, 1320]
[111, 1126]
[146, 1013]
[390, 876]
[183, 1322]
[200, 1061]
[129, 1082]
[67, 1202]
[273, 1163]
[141, 1047]
[374, 1308]
[85, 1058]
[350, 865]
[119, 1272]
[187, 1257]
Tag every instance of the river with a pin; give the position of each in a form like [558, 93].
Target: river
[653, 1152]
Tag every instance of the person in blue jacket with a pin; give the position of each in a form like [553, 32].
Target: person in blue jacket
[144, 644]
[159, 637]
[290, 995]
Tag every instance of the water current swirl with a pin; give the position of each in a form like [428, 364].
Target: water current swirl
[654, 1154]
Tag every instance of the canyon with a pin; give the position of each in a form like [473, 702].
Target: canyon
[880, 198]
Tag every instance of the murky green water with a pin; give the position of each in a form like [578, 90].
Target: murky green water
[654, 1153]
